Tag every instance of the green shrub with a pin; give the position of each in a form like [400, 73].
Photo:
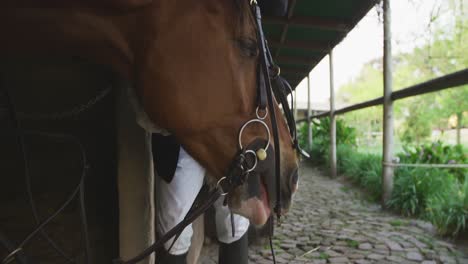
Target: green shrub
[414, 186]
[448, 211]
[318, 149]
[321, 135]
[437, 153]
[363, 169]
[371, 167]
[438, 195]
[345, 155]
[433, 194]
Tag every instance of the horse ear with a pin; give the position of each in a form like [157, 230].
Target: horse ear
[273, 7]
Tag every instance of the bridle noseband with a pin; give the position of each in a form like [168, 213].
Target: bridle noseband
[270, 85]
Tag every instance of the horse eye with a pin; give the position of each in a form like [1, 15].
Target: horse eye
[248, 47]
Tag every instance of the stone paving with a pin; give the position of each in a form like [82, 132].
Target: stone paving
[331, 223]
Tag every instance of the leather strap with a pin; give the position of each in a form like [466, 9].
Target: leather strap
[262, 98]
[271, 106]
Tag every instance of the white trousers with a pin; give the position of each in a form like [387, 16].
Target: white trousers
[174, 200]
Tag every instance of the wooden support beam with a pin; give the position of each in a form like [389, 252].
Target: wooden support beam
[314, 46]
[387, 171]
[295, 104]
[333, 162]
[311, 22]
[309, 125]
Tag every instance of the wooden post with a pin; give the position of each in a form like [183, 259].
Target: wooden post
[309, 126]
[459, 126]
[332, 120]
[295, 104]
[387, 171]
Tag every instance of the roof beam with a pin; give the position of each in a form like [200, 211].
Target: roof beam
[311, 22]
[293, 80]
[294, 72]
[284, 32]
[303, 45]
[294, 76]
[295, 60]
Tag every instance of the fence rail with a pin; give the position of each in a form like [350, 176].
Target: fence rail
[438, 84]
[422, 165]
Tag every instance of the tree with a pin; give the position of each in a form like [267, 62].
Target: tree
[445, 52]
[368, 85]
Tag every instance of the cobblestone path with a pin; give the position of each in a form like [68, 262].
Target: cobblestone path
[331, 223]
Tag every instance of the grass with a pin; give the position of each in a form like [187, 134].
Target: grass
[352, 243]
[345, 189]
[397, 223]
[429, 241]
[324, 255]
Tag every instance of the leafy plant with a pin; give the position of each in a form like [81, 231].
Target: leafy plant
[321, 137]
[449, 211]
[437, 153]
[363, 169]
[438, 195]
[414, 186]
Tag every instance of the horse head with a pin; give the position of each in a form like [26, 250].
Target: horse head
[204, 65]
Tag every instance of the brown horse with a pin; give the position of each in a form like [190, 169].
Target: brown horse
[193, 65]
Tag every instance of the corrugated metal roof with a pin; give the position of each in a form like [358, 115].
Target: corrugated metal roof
[311, 28]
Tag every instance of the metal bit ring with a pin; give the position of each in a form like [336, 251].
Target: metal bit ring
[250, 122]
[218, 185]
[258, 115]
[255, 158]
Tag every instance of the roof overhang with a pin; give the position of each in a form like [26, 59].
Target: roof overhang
[309, 30]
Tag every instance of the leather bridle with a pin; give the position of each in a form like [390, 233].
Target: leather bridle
[270, 85]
